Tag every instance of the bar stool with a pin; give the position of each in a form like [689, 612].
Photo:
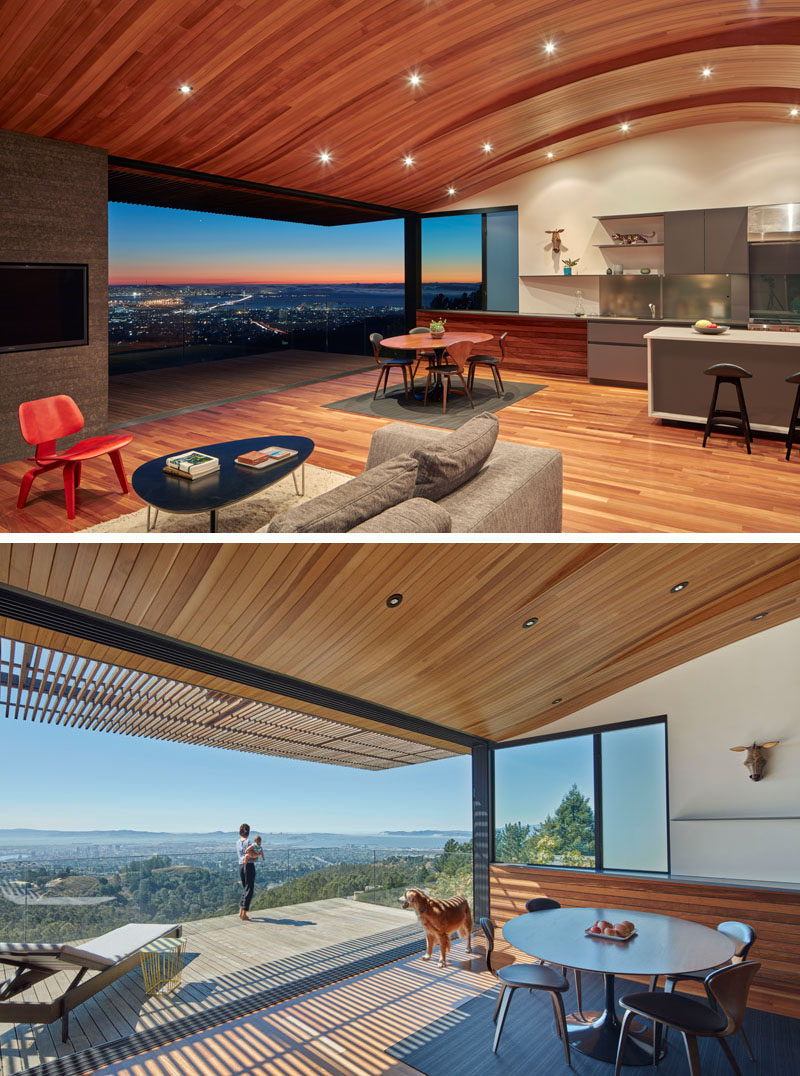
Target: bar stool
[727, 374]
[794, 379]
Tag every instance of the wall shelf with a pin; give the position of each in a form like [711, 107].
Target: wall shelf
[628, 246]
[630, 216]
[739, 818]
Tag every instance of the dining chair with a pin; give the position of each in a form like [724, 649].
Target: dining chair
[727, 989]
[545, 904]
[493, 362]
[428, 356]
[42, 422]
[542, 977]
[387, 362]
[452, 363]
[743, 936]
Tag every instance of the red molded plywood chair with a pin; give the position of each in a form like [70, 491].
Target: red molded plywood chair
[41, 423]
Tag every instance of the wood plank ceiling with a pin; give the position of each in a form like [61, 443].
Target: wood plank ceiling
[455, 651]
[274, 84]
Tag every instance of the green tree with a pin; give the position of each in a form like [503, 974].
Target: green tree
[571, 826]
[511, 842]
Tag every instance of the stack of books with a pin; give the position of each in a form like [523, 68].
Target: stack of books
[191, 464]
[264, 457]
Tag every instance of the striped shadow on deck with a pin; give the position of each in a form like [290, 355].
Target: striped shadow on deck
[288, 978]
[461, 1042]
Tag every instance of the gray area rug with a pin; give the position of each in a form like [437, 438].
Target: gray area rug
[395, 406]
[461, 1041]
[247, 516]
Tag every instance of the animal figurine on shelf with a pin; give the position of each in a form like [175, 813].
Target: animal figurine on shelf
[628, 239]
[555, 237]
[755, 760]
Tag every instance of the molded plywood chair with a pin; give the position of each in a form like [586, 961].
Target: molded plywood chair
[428, 356]
[727, 989]
[544, 904]
[452, 363]
[742, 935]
[492, 361]
[528, 977]
[386, 362]
[42, 423]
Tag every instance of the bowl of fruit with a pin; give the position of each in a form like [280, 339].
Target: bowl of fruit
[619, 932]
[709, 328]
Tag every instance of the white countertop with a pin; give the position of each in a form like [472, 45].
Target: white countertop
[732, 336]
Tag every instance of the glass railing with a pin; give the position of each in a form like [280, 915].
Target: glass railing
[49, 899]
[146, 335]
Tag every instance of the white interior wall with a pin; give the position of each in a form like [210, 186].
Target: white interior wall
[706, 167]
[747, 691]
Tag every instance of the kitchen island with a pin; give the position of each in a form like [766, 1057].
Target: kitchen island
[678, 390]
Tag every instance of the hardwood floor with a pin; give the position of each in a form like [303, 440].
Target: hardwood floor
[623, 472]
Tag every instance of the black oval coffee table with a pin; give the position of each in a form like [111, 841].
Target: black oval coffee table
[231, 483]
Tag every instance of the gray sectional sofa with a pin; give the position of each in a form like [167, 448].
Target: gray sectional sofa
[425, 480]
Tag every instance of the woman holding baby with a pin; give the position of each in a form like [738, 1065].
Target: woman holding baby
[248, 854]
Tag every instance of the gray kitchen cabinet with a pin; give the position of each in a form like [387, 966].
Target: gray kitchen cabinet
[726, 240]
[684, 242]
[618, 363]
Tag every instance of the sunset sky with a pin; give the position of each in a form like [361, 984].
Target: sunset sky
[148, 244]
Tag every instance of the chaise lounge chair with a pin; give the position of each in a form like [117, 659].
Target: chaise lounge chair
[110, 956]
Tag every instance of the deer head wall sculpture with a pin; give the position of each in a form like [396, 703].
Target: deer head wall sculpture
[555, 235]
[755, 760]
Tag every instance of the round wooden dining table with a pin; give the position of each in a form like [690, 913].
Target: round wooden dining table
[426, 342]
[663, 945]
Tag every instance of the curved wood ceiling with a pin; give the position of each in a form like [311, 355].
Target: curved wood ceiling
[276, 83]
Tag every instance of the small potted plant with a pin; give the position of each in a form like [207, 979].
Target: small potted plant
[437, 326]
[569, 265]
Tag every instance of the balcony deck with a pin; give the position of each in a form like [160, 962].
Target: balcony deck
[227, 963]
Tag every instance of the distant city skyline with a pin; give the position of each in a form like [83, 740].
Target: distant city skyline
[151, 245]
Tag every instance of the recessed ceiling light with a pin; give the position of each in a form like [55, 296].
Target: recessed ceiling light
[324, 157]
[487, 147]
[624, 127]
[408, 160]
[451, 191]
[394, 600]
[550, 47]
[185, 87]
[678, 588]
[530, 622]
[415, 79]
[759, 616]
[550, 155]
[706, 72]
[794, 111]
[555, 702]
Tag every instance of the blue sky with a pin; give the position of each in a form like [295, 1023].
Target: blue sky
[95, 780]
[178, 246]
[530, 781]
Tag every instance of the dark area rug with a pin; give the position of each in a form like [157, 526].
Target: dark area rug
[395, 406]
[461, 1041]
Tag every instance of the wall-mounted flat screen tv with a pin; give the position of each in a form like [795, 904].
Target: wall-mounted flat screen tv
[43, 306]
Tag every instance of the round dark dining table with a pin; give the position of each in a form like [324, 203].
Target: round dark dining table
[663, 945]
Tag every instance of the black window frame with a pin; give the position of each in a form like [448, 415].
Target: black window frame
[596, 732]
[482, 212]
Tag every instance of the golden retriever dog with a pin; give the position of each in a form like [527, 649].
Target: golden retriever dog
[439, 919]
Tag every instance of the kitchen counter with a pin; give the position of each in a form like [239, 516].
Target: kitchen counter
[678, 389]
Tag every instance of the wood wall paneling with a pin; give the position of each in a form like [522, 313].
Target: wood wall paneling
[773, 913]
[542, 346]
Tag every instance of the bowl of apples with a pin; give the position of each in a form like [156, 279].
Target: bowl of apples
[709, 328]
[619, 932]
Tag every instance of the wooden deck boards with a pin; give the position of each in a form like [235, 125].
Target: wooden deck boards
[623, 472]
[223, 958]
